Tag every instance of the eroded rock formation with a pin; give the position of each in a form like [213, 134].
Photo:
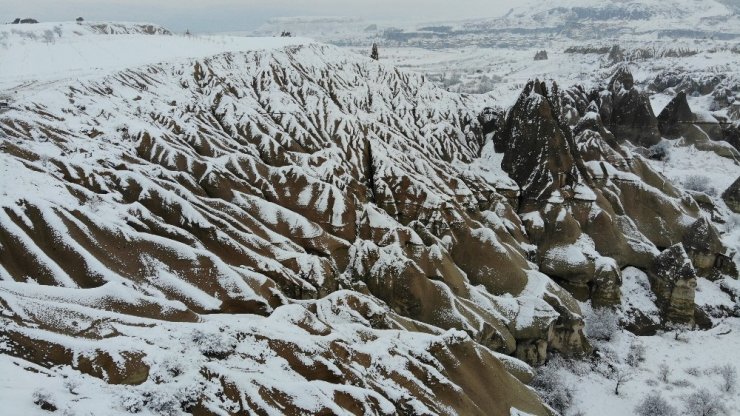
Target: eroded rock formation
[673, 280]
[301, 214]
[627, 111]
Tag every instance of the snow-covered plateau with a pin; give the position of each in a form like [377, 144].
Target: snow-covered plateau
[234, 225]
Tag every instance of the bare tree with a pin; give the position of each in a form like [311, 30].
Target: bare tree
[621, 376]
[601, 324]
[551, 386]
[636, 354]
[48, 36]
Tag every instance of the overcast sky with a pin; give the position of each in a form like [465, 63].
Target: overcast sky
[225, 15]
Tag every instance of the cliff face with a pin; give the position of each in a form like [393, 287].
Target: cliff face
[303, 231]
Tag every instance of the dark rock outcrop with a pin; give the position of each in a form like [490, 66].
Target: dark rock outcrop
[539, 151]
[731, 132]
[628, 111]
[731, 196]
[675, 117]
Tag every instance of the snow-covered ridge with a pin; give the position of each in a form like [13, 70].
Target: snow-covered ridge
[313, 231]
[45, 52]
[247, 181]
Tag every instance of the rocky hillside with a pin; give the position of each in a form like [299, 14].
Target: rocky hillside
[298, 230]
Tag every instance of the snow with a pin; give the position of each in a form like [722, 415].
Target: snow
[636, 293]
[73, 52]
[692, 361]
[685, 162]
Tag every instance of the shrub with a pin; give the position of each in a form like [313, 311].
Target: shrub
[132, 401]
[601, 324]
[704, 403]
[161, 402]
[699, 183]
[44, 400]
[728, 372]
[663, 372]
[682, 383]
[653, 404]
[214, 345]
[661, 151]
[693, 371]
[636, 354]
[72, 385]
[552, 388]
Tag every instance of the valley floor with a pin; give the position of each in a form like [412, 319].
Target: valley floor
[693, 361]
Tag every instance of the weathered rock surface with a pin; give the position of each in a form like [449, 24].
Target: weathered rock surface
[731, 196]
[539, 151]
[673, 279]
[628, 112]
[592, 207]
[675, 117]
[704, 246]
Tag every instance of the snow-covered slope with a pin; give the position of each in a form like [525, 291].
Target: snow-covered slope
[45, 52]
[255, 183]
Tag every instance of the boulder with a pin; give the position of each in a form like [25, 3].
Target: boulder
[605, 290]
